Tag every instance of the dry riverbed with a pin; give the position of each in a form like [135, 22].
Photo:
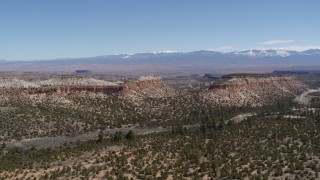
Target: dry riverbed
[52, 142]
[305, 97]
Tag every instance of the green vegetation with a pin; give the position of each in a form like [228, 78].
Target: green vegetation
[260, 147]
[130, 135]
[27, 119]
[278, 142]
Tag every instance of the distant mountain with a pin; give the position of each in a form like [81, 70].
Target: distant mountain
[277, 53]
[266, 53]
[196, 61]
[311, 52]
[252, 53]
[248, 53]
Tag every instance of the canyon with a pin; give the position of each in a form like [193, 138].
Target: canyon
[76, 113]
[231, 90]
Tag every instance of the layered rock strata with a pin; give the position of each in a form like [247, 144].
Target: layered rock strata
[146, 87]
[75, 84]
[253, 90]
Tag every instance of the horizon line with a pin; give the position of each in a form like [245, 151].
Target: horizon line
[158, 52]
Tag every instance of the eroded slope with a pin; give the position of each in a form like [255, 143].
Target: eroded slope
[253, 90]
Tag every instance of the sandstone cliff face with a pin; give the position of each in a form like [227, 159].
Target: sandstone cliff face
[248, 90]
[75, 84]
[253, 90]
[75, 89]
[75, 81]
[59, 85]
[146, 87]
[149, 86]
[143, 82]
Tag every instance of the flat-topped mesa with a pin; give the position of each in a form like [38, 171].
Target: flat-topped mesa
[13, 83]
[70, 76]
[59, 85]
[237, 81]
[71, 80]
[74, 89]
[246, 75]
[146, 87]
[253, 90]
[143, 82]
[72, 84]
[76, 84]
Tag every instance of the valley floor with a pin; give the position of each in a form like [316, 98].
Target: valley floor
[171, 134]
[259, 147]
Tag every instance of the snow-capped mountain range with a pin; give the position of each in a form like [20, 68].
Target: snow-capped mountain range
[252, 53]
[196, 61]
[277, 52]
[267, 53]
[249, 53]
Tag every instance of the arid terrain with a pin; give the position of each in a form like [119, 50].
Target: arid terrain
[159, 90]
[234, 126]
[253, 90]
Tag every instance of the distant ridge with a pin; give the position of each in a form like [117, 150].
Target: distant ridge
[250, 61]
[144, 55]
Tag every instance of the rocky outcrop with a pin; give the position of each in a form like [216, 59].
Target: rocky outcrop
[253, 90]
[75, 84]
[75, 89]
[143, 82]
[74, 81]
[146, 87]
[13, 83]
[58, 85]
[70, 84]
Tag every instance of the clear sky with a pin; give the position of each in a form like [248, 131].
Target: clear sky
[45, 29]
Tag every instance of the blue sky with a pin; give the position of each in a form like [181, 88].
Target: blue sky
[38, 29]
